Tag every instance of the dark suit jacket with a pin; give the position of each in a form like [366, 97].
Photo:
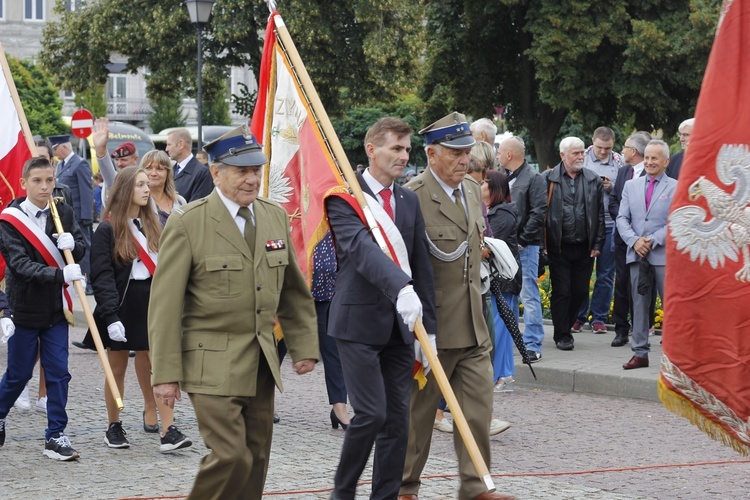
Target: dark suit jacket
[675, 164]
[194, 181]
[363, 308]
[76, 173]
[623, 175]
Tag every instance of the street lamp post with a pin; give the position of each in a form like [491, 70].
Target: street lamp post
[200, 13]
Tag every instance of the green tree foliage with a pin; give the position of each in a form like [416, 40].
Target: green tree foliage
[92, 99]
[545, 60]
[216, 111]
[244, 102]
[39, 98]
[166, 113]
[352, 127]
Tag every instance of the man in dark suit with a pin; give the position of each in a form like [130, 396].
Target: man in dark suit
[675, 162]
[373, 311]
[76, 173]
[632, 152]
[451, 206]
[227, 272]
[642, 223]
[191, 178]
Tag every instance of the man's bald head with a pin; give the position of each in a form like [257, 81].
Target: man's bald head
[511, 153]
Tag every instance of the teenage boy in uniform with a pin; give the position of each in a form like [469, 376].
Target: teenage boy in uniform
[39, 298]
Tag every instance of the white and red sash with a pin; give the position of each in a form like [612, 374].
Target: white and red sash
[148, 258]
[41, 243]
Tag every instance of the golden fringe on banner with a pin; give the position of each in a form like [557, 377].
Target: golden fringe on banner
[678, 404]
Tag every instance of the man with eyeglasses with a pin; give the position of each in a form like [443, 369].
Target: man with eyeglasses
[675, 162]
[632, 153]
[575, 235]
[605, 163]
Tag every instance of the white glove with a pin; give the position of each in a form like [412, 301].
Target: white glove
[419, 354]
[65, 241]
[116, 332]
[72, 272]
[8, 328]
[409, 306]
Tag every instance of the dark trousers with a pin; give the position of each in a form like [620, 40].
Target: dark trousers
[623, 303]
[86, 231]
[570, 272]
[52, 345]
[335, 385]
[379, 381]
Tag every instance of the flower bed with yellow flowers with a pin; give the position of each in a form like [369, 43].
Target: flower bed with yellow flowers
[545, 293]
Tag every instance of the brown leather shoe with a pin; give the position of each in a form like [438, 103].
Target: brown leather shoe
[635, 362]
[495, 496]
[408, 497]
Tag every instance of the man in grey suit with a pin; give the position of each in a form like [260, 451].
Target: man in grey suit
[192, 180]
[642, 224]
[375, 298]
[451, 206]
[76, 173]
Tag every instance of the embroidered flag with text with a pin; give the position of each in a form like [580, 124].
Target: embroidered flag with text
[705, 368]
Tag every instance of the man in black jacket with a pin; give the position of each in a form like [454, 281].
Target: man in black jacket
[575, 235]
[39, 299]
[529, 192]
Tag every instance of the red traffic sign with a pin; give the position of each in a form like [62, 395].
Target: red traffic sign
[82, 123]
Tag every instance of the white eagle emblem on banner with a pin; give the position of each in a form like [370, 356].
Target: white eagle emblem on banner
[726, 233]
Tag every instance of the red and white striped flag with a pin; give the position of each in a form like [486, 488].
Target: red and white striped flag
[301, 172]
[14, 148]
[705, 369]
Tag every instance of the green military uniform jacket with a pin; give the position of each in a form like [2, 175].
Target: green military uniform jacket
[214, 305]
[459, 314]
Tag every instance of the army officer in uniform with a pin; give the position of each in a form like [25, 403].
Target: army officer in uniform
[227, 269]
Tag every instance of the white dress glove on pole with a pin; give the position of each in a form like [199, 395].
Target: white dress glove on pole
[409, 306]
[419, 354]
[72, 272]
[8, 328]
[116, 332]
[65, 241]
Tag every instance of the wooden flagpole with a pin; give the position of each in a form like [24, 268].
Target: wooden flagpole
[58, 226]
[329, 134]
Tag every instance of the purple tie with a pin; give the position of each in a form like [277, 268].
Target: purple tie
[386, 195]
[650, 191]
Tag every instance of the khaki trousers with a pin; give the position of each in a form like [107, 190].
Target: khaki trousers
[237, 431]
[470, 374]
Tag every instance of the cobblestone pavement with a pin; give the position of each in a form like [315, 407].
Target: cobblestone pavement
[553, 432]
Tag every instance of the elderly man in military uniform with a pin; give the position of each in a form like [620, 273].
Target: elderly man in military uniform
[227, 269]
[451, 205]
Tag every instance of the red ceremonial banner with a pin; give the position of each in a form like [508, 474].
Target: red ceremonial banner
[705, 369]
[14, 150]
[301, 172]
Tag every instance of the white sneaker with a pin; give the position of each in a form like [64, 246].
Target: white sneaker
[444, 425]
[497, 426]
[41, 404]
[22, 403]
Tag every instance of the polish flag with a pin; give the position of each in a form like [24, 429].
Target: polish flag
[301, 172]
[14, 150]
[705, 366]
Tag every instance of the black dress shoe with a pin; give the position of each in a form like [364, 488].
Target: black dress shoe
[335, 422]
[620, 340]
[276, 418]
[565, 345]
[81, 345]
